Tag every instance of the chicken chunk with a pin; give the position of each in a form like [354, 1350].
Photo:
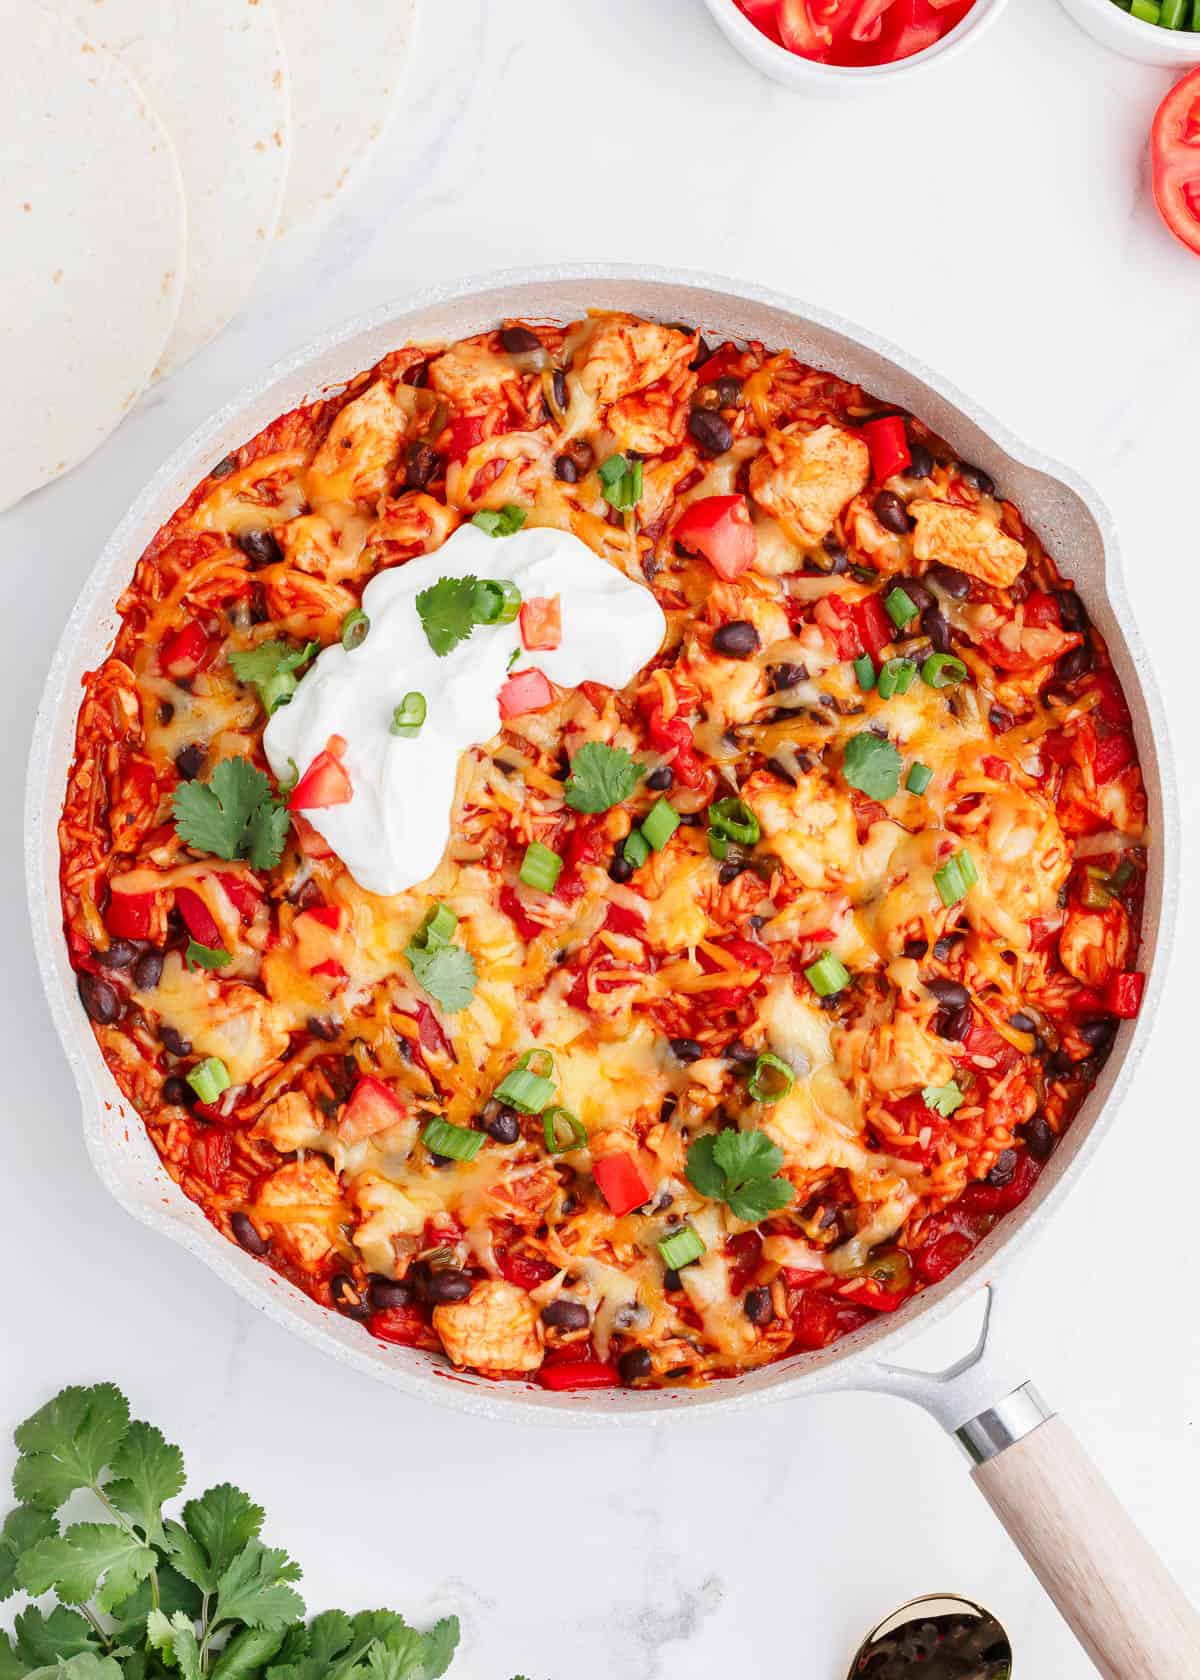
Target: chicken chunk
[806, 478]
[496, 1329]
[810, 826]
[899, 1056]
[290, 1122]
[1022, 860]
[359, 456]
[412, 524]
[1093, 944]
[307, 1184]
[969, 541]
[649, 422]
[623, 356]
[472, 376]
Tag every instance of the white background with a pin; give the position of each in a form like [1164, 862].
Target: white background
[996, 221]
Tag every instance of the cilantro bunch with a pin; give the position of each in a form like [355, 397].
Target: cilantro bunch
[740, 1169]
[145, 1596]
[232, 815]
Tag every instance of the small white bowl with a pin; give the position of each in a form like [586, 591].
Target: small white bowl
[1129, 36]
[796, 72]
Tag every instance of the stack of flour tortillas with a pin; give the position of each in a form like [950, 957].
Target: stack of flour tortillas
[150, 150]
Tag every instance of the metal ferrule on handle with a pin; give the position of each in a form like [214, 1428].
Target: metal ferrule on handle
[990, 1432]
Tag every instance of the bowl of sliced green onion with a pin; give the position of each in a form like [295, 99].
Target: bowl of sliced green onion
[1163, 32]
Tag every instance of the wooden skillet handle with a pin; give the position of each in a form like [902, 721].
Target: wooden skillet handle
[1127, 1612]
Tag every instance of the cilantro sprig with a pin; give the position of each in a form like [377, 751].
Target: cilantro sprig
[272, 667]
[143, 1594]
[232, 815]
[739, 1169]
[943, 1099]
[453, 607]
[871, 764]
[445, 970]
[601, 777]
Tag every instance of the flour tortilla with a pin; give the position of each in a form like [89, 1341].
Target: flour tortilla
[348, 60]
[216, 73]
[93, 235]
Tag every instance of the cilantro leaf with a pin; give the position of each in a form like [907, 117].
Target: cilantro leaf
[447, 612]
[448, 974]
[601, 777]
[441, 1642]
[85, 1665]
[399, 1657]
[11, 1666]
[67, 1443]
[259, 664]
[943, 1099]
[22, 1529]
[233, 815]
[149, 1470]
[246, 1652]
[173, 1593]
[47, 1639]
[175, 1641]
[76, 1562]
[215, 1528]
[739, 1168]
[871, 763]
[206, 956]
[253, 1588]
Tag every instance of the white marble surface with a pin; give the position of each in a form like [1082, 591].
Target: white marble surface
[997, 222]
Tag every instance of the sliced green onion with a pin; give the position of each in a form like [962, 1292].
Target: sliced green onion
[636, 849]
[1121, 876]
[901, 608]
[864, 670]
[538, 1061]
[955, 878]
[436, 928]
[276, 691]
[621, 482]
[827, 976]
[540, 867]
[772, 1078]
[496, 601]
[735, 820]
[206, 956]
[460, 1143]
[896, 677]
[718, 845]
[1096, 893]
[209, 1078]
[681, 1248]
[553, 1122]
[942, 670]
[409, 714]
[659, 824]
[1147, 10]
[500, 522]
[524, 1090]
[918, 778]
[1172, 14]
[354, 629]
[285, 784]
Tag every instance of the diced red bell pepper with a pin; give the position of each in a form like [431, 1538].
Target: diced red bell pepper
[875, 628]
[524, 923]
[578, 1373]
[210, 1155]
[719, 529]
[372, 1108]
[197, 918]
[1123, 994]
[1042, 610]
[837, 621]
[982, 1197]
[820, 1318]
[404, 1326]
[430, 1031]
[525, 1273]
[329, 970]
[888, 442]
[937, 1259]
[747, 955]
[868, 1293]
[984, 1043]
[620, 1182]
[243, 894]
[184, 651]
[674, 735]
[622, 920]
[312, 844]
[527, 691]
[1113, 754]
[128, 915]
[326, 782]
[1112, 707]
[541, 623]
[465, 432]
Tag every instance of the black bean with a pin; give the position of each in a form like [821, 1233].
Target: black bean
[620, 869]
[917, 593]
[147, 971]
[635, 1366]
[977, 478]
[670, 1280]
[1075, 663]
[516, 340]
[120, 954]
[758, 1306]
[504, 1127]
[450, 1284]
[778, 768]
[173, 1042]
[190, 761]
[951, 582]
[1039, 1139]
[740, 1054]
[101, 1001]
[921, 464]
[1022, 1022]
[1099, 1034]
[583, 455]
[703, 354]
[892, 513]
[176, 1092]
[944, 947]
[953, 1024]
[949, 993]
[728, 391]
[1001, 719]
[260, 547]
[165, 712]
[323, 1027]
[736, 640]
[667, 1107]
[384, 1292]
[559, 381]
[839, 560]
[659, 780]
[730, 869]
[1003, 1168]
[686, 1050]
[936, 626]
[566, 1315]
[347, 1297]
[1071, 610]
[915, 948]
[244, 1231]
[259, 611]
[566, 469]
[713, 433]
[440, 1161]
[787, 675]
[421, 466]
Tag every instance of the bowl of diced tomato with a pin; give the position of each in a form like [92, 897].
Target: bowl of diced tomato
[836, 45]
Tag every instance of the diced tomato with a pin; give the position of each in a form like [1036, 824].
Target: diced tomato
[184, 651]
[727, 358]
[128, 915]
[1085, 1003]
[867, 1293]
[329, 969]
[820, 1318]
[527, 691]
[1123, 994]
[326, 782]
[312, 844]
[430, 1031]
[875, 628]
[524, 923]
[982, 1197]
[328, 915]
[620, 1182]
[674, 736]
[838, 623]
[1043, 932]
[621, 920]
[526, 1274]
[405, 1326]
[578, 1373]
[888, 442]
[211, 1154]
[1113, 754]
[747, 955]
[243, 894]
[1112, 708]
[744, 1254]
[582, 846]
[197, 918]
[1042, 610]
[719, 529]
[984, 1044]
[465, 432]
[1175, 158]
[996, 768]
[937, 1259]
[372, 1108]
[541, 623]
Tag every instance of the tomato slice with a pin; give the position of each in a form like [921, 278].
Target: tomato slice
[372, 1108]
[1175, 160]
[620, 1181]
[541, 623]
[326, 782]
[719, 529]
[528, 691]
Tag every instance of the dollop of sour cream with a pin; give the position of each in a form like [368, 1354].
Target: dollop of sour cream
[392, 832]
